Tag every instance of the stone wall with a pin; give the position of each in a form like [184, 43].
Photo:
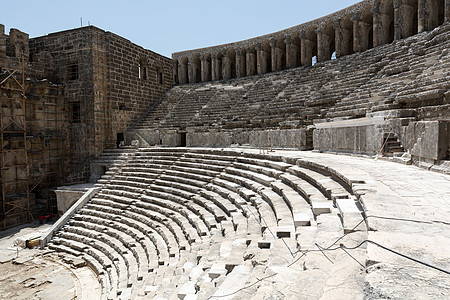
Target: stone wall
[84, 88]
[362, 136]
[429, 140]
[271, 138]
[136, 79]
[109, 82]
[69, 55]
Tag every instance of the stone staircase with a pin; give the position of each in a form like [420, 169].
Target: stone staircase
[177, 223]
[391, 145]
[110, 161]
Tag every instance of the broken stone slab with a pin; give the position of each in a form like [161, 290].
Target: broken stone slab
[217, 270]
[188, 288]
[225, 248]
[302, 219]
[353, 222]
[285, 232]
[78, 262]
[196, 272]
[235, 281]
[264, 244]
[23, 259]
[281, 253]
[150, 289]
[321, 207]
[347, 206]
[306, 236]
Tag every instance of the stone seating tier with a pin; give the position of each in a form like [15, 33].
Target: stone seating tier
[172, 219]
[408, 73]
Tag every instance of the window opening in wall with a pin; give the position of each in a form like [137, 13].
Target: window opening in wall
[72, 71]
[333, 55]
[76, 113]
[142, 71]
[159, 76]
[314, 60]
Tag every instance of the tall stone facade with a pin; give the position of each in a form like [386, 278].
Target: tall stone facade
[109, 82]
[65, 98]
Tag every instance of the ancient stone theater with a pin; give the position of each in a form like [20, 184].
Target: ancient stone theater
[309, 163]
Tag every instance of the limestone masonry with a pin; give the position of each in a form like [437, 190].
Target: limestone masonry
[191, 177]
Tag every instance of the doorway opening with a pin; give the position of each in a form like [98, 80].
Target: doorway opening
[119, 139]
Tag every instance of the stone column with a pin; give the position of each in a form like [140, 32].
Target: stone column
[179, 73]
[342, 39]
[378, 35]
[338, 38]
[433, 14]
[190, 72]
[381, 24]
[240, 64]
[205, 68]
[261, 60]
[174, 68]
[306, 48]
[403, 19]
[397, 20]
[289, 52]
[364, 29]
[273, 54]
[226, 66]
[182, 70]
[360, 34]
[428, 15]
[323, 45]
[447, 10]
[422, 16]
[277, 56]
[214, 70]
[193, 69]
[356, 34]
[250, 62]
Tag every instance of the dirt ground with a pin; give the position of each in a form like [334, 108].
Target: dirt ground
[40, 274]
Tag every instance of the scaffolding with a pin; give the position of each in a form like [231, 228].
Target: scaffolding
[53, 128]
[63, 128]
[46, 143]
[14, 158]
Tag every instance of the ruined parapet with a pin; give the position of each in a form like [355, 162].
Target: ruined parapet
[2, 40]
[18, 43]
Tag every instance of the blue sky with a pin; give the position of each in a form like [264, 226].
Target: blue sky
[167, 26]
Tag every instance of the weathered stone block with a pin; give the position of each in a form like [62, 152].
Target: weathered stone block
[429, 139]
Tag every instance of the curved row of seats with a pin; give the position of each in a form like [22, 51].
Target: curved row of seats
[175, 222]
[408, 73]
